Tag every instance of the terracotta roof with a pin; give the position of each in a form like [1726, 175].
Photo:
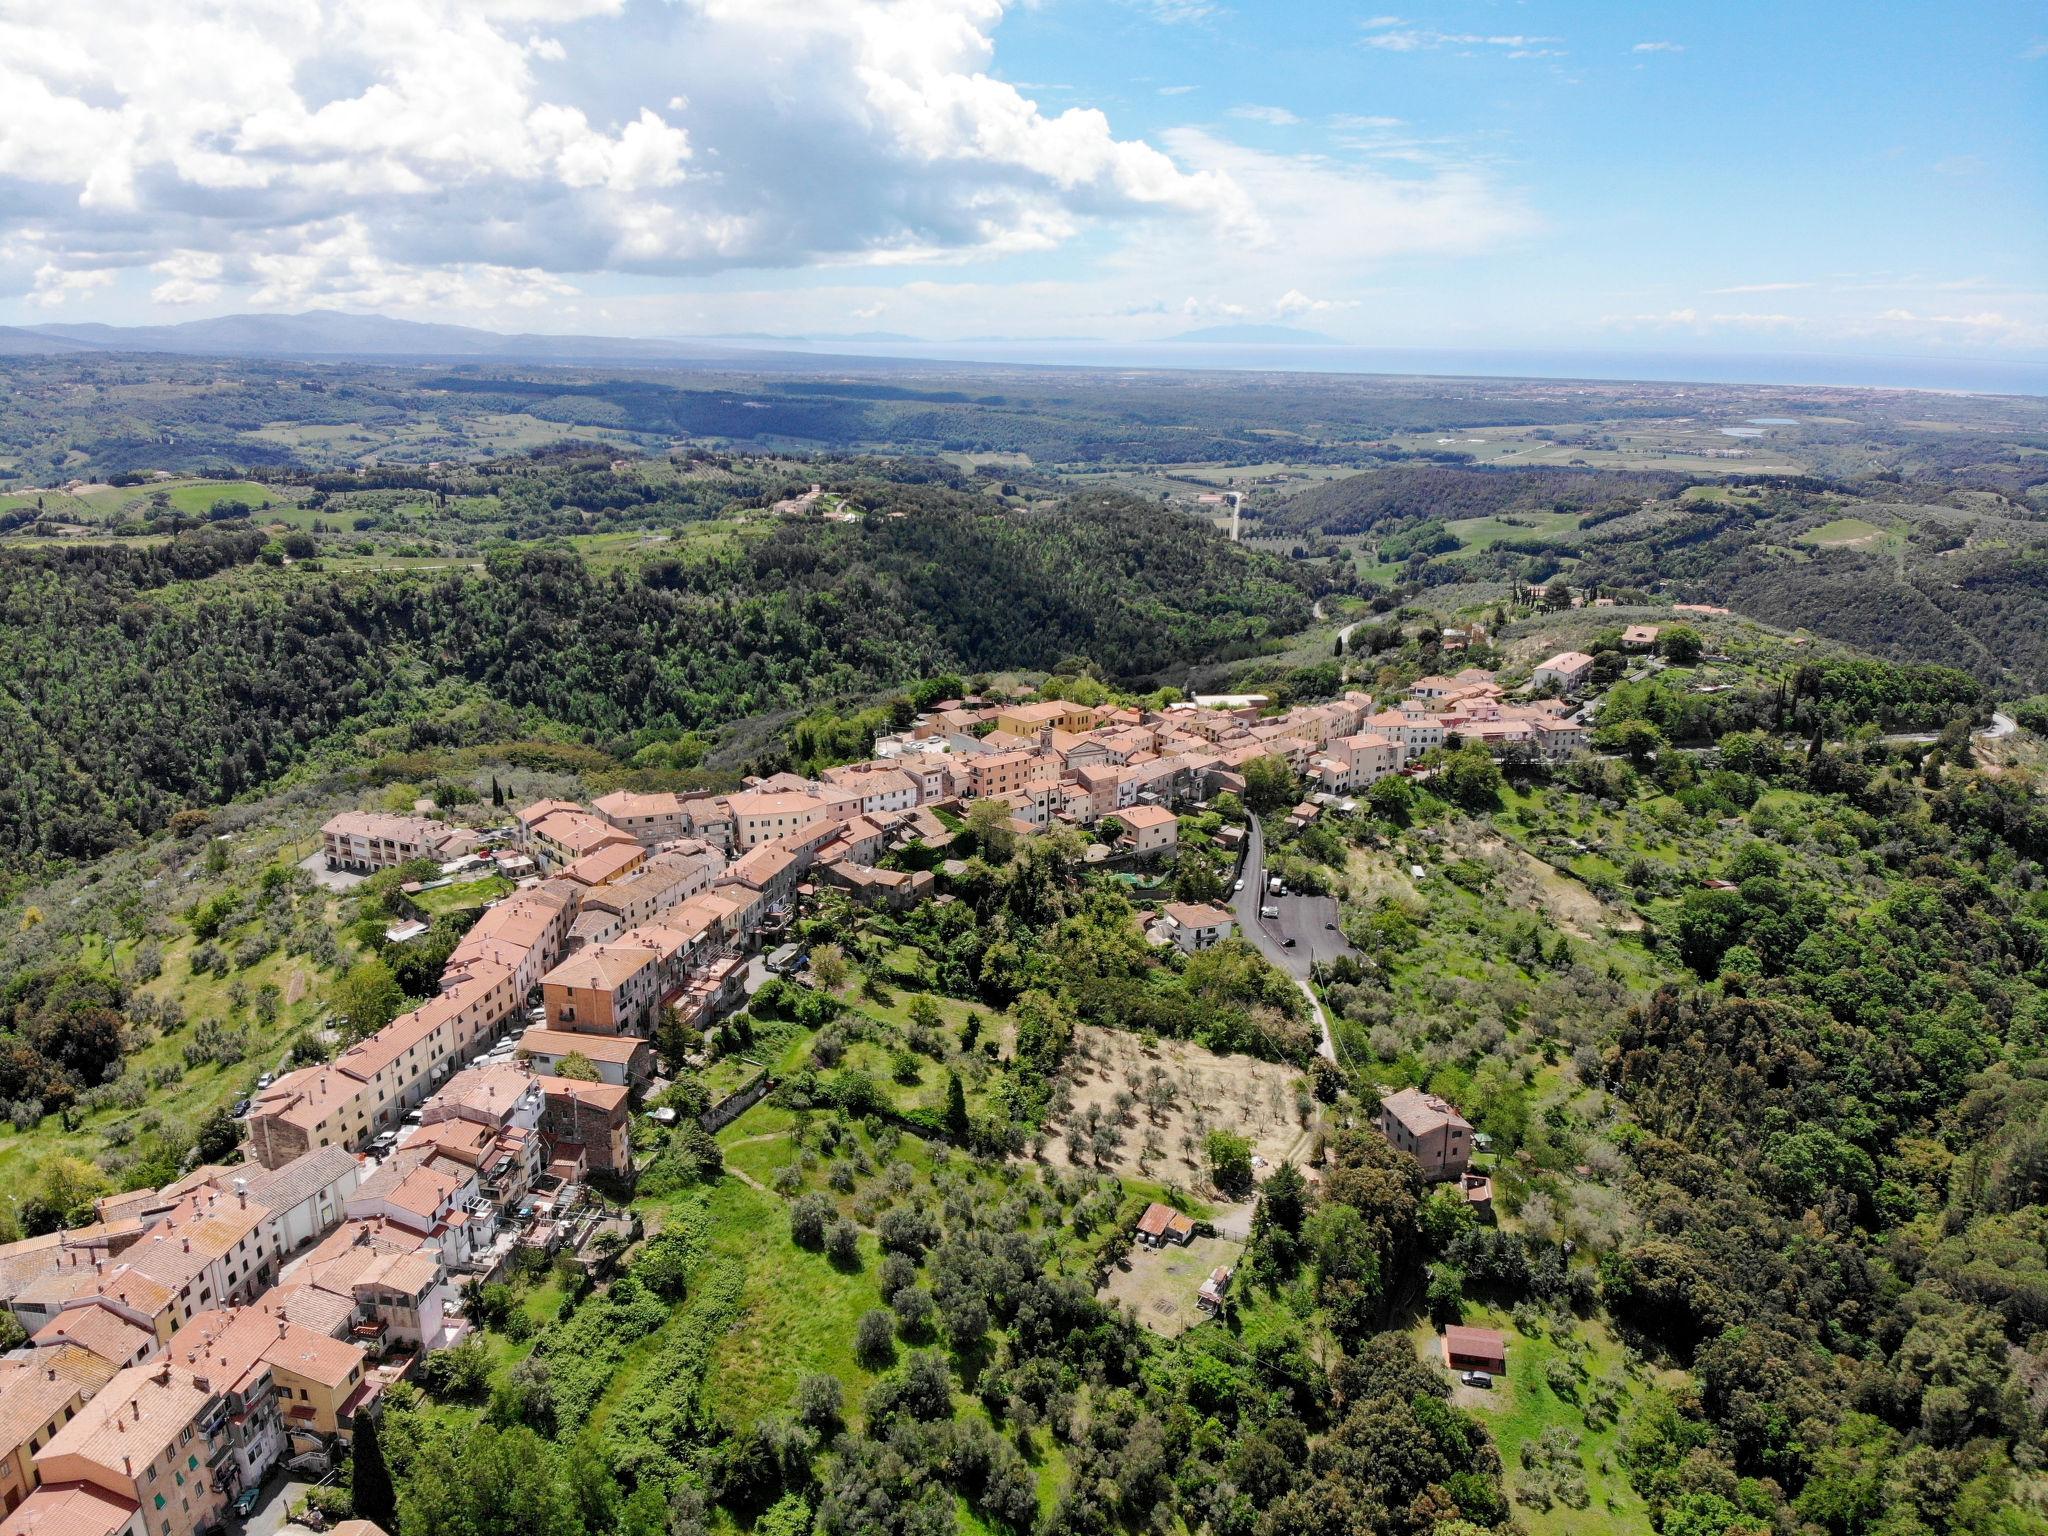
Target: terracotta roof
[560, 1042]
[69, 1509]
[1146, 816]
[1159, 1220]
[487, 1092]
[35, 1387]
[602, 967]
[1190, 914]
[604, 865]
[1487, 1343]
[626, 802]
[137, 1415]
[279, 1189]
[773, 802]
[382, 824]
[604, 1096]
[99, 1329]
[1421, 1113]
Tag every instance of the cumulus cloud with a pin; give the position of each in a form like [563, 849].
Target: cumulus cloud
[388, 151]
[1294, 304]
[55, 284]
[1658, 48]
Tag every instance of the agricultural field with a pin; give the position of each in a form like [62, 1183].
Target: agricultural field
[1180, 1092]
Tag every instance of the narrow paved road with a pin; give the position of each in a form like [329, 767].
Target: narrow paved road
[2000, 726]
[1295, 962]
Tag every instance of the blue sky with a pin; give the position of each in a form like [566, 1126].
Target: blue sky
[1721, 178]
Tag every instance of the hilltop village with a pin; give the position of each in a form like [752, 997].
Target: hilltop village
[195, 1337]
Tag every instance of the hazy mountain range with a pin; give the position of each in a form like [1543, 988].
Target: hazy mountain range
[330, 333]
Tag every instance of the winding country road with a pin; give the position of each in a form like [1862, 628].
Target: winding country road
[2001, 726]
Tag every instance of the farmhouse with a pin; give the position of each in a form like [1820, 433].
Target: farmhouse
[1428, 1130]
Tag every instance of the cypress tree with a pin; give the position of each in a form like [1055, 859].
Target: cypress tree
[956, 1105]
[370, 1479]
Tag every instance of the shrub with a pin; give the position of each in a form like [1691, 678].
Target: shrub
[874, 1339]
[808, 1216]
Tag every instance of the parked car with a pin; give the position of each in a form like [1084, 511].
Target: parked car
[241, 1108]
[1239, 886]
[246, 1502]
[266, 1080]
[1269, 911]
[1477, 1378]
[1287, 943]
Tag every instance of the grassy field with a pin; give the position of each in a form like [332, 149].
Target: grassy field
[1570, 1381]
[462, 897]
[1477, 533]
[1850, 533]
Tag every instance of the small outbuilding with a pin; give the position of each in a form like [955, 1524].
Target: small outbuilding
[1162, 1224]
[1476, 1349]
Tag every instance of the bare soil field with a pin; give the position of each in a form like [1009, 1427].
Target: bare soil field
[1160, 1284]
[1177, 1093]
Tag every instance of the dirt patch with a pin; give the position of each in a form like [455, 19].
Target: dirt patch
[1160, 1284]
[1373, 873]
[1177, 1093]
[1526, 881]
[295, 988]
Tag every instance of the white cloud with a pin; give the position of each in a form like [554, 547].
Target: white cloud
[408, 149]
[1276, 117]
[1977, 328]
[1175, 90]
[189, 277]
[1336, 213]
[55, 284]
[1354, 122]
[1397, 36]
[1658, 48]
[1181, 12]
[1294, 304]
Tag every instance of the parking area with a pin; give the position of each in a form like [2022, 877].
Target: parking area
[1311, 922]
[272, 1513]
[341, 880]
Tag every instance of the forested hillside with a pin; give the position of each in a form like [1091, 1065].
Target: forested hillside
[193, 685]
